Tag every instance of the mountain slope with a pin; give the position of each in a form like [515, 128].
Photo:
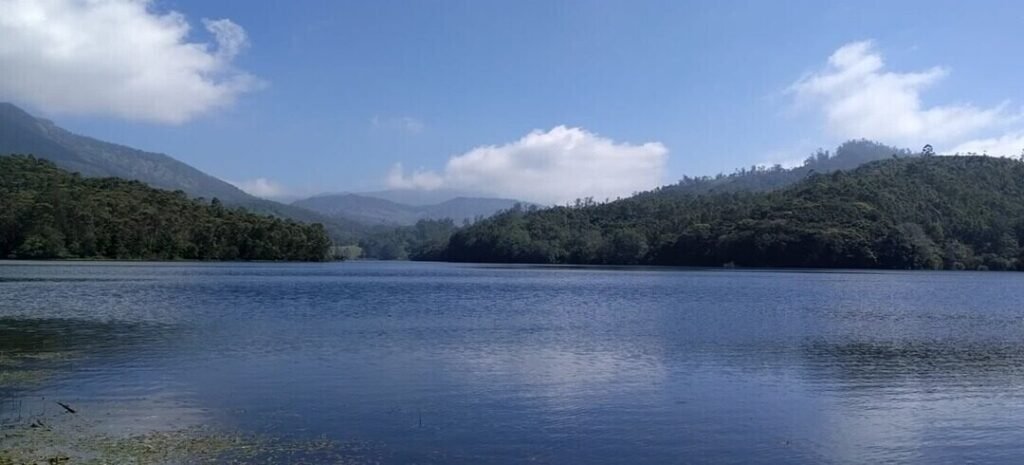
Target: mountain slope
[919, 212]
[22, 133]
[46, 212]
[374, 211]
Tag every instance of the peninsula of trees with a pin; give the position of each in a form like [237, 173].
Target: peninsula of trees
[46, 212]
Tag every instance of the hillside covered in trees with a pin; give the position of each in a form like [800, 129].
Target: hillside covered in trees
[933, 212]
[46, 212]
[21, 132]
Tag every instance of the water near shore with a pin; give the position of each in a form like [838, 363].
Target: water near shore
[437, 363]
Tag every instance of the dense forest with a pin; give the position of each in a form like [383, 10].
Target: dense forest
[46, 212]
[929, 212]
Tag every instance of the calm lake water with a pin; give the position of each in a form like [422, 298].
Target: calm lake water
[470, 364]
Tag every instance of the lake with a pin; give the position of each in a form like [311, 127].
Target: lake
[478, 364]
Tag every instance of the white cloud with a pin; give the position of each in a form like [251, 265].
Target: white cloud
[1008, 145]
[859, 98]
[262, 187]
[230, 37]
[550, 167]
[117, 57]
[406, 124]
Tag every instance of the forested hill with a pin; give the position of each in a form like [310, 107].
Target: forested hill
[46, 212]
[21, 132]
[921, 212]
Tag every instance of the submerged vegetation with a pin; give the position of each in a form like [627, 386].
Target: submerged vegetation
[46, 212]
[927, 212]
[55, 441]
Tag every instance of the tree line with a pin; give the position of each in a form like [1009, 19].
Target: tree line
[46, 212]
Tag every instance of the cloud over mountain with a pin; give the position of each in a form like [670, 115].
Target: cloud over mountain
[117, 57]
[548, 167]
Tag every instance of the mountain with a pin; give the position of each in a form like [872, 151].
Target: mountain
[46, 212]
[22, 133]
[420, 197]
[948, 212]
[373, 211]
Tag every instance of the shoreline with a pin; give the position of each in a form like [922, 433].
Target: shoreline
[632, 267]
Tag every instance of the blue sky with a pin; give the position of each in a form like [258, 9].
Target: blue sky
[314, 96]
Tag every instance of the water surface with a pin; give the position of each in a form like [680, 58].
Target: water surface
[439, 363]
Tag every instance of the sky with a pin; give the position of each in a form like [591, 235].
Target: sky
[544, 101]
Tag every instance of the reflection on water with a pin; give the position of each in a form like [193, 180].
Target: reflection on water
[860, 363]
[432, 363]
[38, 336]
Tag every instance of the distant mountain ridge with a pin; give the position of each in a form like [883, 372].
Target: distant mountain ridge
[22, 133]
[420, 197]
[375, 211]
